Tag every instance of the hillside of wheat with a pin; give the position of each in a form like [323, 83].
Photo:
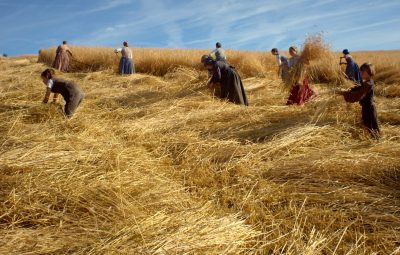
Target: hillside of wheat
[153, 163]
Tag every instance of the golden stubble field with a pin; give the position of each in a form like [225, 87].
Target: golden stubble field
[156, 165]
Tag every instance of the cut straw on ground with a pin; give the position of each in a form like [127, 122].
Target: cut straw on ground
[157, 165]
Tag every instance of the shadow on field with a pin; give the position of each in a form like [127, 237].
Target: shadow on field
[388, 179]
[266, 133]
[141, 98]
[43, 113]
[7, 108]
[146, 80]
[146, 98]
[390, 118]
[262, 133]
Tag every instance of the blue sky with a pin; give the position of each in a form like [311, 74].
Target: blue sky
[28, 25]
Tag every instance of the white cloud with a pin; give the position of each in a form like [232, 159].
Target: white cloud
[369, 25]
[106, 5]
[238, 24]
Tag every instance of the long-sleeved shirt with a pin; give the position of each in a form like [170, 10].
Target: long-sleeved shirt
[293, 61]
[353, 71]
[67, 89]
[126, 52]
[219, 54]
[363, 94]
[219, 71]
[281, 60]
[231, 84]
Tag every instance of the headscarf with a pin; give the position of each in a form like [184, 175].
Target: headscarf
[207, 60]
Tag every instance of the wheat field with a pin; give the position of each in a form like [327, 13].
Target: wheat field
[154, 164]
[159, 61]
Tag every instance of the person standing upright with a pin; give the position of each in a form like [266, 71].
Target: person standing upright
[63, 57]
[282, 62]
[219, 53]
[352, 69]
[301, 91]
[364, 94]
[126, 65]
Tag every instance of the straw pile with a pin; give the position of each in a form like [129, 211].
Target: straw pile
[314, 48]
[156, 165]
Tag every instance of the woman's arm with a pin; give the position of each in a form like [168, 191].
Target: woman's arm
[47, 95]
[278, 60]
[55, 98]
[357, 93]
[212, 52]
[340, 91]
[216, 74]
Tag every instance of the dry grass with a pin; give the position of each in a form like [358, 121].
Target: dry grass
[323, 68]
[160, 61]
[155, 165]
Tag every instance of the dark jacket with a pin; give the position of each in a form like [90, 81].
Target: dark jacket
[68, 89]
[231, 84]
[353, 71]
[364, 94]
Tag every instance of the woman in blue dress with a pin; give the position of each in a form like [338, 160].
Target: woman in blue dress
[126, 65]
[352, 69]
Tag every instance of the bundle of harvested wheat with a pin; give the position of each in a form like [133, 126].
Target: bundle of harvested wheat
[317, 61]
[315, 48]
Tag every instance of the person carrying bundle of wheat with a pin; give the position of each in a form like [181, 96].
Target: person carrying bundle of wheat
[126, 65]
[301, 91]
[231, 85]
[63, 55]
[364, 94]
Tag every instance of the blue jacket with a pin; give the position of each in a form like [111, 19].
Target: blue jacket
[353, 71]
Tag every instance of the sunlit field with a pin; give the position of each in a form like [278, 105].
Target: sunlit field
[153, 163]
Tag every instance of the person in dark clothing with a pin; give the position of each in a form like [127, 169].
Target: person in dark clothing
[71, 92]
[231, 85]
[352, 69]
[203, 61]
[364, 94]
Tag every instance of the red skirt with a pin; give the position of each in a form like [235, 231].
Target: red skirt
[300, 94]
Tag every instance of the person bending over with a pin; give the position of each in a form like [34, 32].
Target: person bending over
[71, 92]
[231, 85]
